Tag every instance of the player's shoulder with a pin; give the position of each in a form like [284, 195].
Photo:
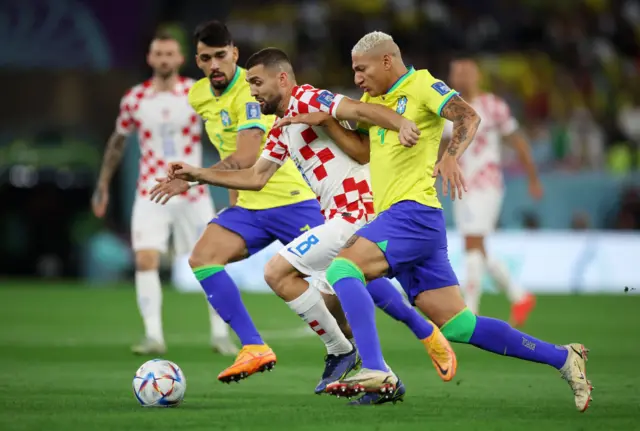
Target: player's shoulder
[199, 92]
[424, 79]
[307, 92]
[137, 92]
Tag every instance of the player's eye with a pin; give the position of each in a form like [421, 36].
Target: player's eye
[221, 55]
[205, 58]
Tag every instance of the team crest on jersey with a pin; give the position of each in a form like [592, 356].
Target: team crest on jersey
[402, 105]
[253, 111]
[224, 117]
[441, 88]
[325, 98]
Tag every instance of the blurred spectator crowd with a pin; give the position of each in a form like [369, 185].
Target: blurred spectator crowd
[569, 69]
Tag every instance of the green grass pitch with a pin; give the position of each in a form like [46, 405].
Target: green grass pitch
[65, 365]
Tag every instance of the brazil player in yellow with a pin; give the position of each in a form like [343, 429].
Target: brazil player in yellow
[282, 210]
[408, 240]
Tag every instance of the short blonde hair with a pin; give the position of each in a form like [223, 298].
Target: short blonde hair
[370, 41]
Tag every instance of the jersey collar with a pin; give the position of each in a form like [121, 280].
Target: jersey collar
[236, 75]
[401, 80]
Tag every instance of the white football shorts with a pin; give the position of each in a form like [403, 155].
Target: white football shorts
[312, 252]
[152, 223]
[478, 212]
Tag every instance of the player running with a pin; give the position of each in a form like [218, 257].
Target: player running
[168, 130]
[342, 186]
[476, 216]
[408, 240]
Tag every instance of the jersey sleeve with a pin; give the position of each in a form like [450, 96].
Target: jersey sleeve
[275, 150]
[125, 123]
[505, 122]
[248, 114]
[436, 94]
[316, 100]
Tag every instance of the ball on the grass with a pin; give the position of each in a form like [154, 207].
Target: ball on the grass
[159, 383]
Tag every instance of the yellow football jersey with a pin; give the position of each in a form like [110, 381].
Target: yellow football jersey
[236, 110]
[399, 173]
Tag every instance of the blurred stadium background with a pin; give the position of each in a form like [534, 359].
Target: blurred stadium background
[568, 69]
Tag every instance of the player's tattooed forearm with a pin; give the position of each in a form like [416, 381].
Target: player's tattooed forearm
[112, 156]
[465, 124]
[350, 241]
[228, 164]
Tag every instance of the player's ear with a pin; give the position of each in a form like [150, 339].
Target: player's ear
[235, 54]
[386, 61]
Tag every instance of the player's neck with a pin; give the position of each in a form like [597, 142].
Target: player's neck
[397, 72]
[284, 103]
[162, 84]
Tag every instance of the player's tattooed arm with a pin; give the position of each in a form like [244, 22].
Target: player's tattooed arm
[110, 162]
[112, 157]
[519, 143]
[247, 151]
[254, 178]
[465, 125]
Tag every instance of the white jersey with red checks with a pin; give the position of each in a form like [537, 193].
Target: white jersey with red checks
[168, 130]
[481, 162]
[343, 186]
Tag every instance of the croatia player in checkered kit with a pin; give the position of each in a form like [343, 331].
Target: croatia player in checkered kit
[168, 130]
[343, 189]
[476, 216]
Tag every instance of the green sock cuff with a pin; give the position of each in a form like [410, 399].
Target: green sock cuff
[460, 327]
[207, 271]
[342, 268]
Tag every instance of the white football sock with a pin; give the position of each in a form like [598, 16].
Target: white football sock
[473, 286]
[149, 295]
[219, 328]
[501, 276]
[311, 308]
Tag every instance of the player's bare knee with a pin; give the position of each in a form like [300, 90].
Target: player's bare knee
[441, 305]
[147, 260]
[277, 273]
[217, 246]
[474, 242]
[366, 256]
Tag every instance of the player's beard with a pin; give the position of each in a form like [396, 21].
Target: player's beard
[219, 85]
[271, 106]
[165, 73]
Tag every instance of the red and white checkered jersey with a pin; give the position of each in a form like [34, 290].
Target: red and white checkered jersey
[481, 162]
[168, 130]
[343, 186]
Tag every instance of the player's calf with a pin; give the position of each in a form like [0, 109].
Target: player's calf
[149, 298]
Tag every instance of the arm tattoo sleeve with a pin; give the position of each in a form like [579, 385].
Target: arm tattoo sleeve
[112, 157]
[465, 124]
[228, 164]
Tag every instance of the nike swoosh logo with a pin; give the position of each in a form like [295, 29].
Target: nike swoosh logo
[442, 370]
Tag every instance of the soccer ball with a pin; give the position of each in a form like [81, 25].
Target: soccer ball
[159, 383]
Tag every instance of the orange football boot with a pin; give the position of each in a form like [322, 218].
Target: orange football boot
[252, 358]
[520, 310]
[442, 354]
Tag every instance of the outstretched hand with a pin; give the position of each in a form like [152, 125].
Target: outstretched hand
[452, 177]
[167, 188]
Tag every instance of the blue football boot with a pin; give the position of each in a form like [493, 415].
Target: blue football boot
[337, 367]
